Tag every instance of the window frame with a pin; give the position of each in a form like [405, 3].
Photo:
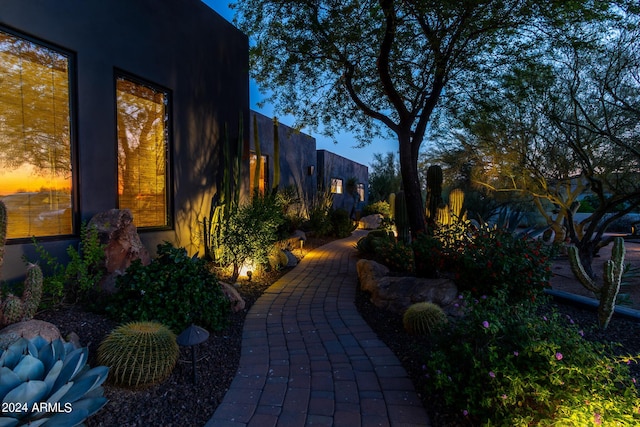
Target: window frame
[169, 143]
[72, 73]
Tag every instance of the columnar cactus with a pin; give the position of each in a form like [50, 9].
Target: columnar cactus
[13, 308]
[607, 293]
[276, 154]
[456, 200]
[392, 206]
[434, 192]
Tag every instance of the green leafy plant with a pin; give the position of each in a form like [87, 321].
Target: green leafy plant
[492, 259]
[423, 318]
[381, 207]
[48, 383]
[514, 364]
[341, 224]
[139, 353]
[77, 279]
[173, 289]
[251, 232]
[428, 254]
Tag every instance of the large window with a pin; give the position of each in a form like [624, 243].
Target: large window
[35, 138]
[143, 120]
[261, 172]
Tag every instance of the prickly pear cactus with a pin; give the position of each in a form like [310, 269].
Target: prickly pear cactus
[607, 293]
[12, 308]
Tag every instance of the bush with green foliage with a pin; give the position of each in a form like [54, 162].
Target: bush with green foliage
[506, 364]
[139, 353]
[48, 383]
[250, 233]
[428, 254]
[383, 247]
[381, 207]
[77, 279]
[341, 225]
[494, 259]
[174, 289]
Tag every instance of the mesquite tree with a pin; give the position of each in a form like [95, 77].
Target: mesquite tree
[379, 67]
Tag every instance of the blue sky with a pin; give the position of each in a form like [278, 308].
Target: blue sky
[344, 147]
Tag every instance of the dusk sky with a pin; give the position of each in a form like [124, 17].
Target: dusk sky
[345, 145]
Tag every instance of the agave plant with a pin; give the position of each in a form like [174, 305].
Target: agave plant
[48, 383]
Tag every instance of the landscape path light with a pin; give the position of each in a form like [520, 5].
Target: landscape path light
[191, 337]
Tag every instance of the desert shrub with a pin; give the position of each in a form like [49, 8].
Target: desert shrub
[382, 247]
[77, 279]
[341, 224]
[251, 232]
[381, 207]
[494, 259]
[505, 364]
[428, 254]
[173, 289]
[319, 222]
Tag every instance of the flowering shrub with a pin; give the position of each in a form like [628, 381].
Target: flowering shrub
[428, 254]
[511, 364]
[494, 259]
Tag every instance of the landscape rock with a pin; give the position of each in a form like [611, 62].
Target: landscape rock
[292, 261]
[398, 293]
[28, 329]
[122, 244]
[237, 303]
[292, 242]
[370, 222]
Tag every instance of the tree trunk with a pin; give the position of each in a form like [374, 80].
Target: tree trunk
[411, 183]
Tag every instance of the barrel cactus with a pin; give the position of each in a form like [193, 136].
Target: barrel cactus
[48, 383]
[13, 308]
[139, 353]
[422, 318]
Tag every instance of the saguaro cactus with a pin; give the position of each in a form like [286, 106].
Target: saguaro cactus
[456, 200]
[13, 308]
[608, 291]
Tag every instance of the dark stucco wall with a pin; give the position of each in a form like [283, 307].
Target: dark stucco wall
[297, 155]
[331, 165]
[183, 46]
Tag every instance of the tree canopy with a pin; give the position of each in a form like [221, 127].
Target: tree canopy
[383, 66]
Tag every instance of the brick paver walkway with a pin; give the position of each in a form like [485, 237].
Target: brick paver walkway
[309, 359]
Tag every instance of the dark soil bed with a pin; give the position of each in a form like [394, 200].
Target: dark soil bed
[180, 402]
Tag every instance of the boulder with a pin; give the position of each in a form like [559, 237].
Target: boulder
[237, 303]
[28, 329]
[292, 261]
[292, 242]
[368, 274]
[122, 244]
[370, 222]
[398, 293]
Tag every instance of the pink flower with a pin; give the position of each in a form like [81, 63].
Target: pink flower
[492, 374]
[465, 412]
[559, 356]
[485, 324]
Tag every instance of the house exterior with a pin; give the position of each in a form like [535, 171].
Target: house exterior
[347, 180]
[296, 154]
[115, 104]
[138, 105]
